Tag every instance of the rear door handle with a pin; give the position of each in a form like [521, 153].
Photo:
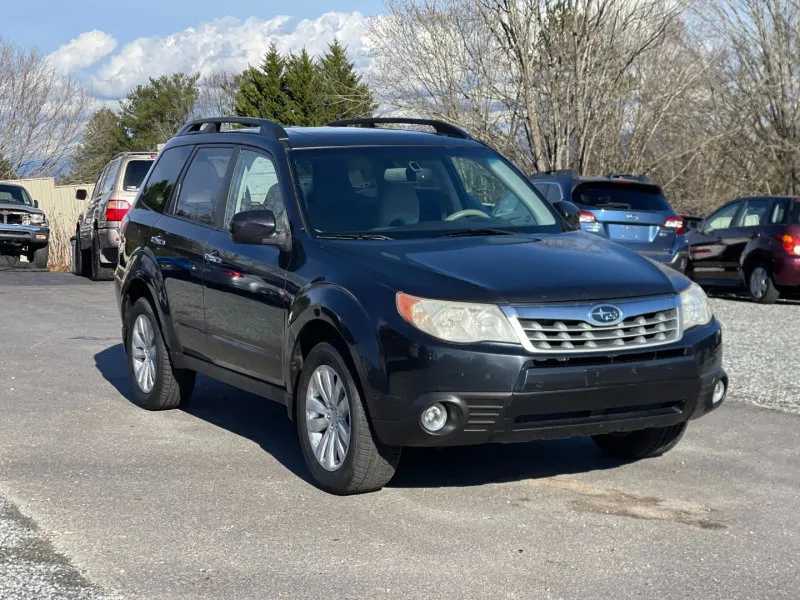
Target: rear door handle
[158, 240]
[213, 257]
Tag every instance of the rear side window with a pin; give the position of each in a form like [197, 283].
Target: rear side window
[551, 191]
[794, 218]
[203, 184]
[165, 173]
[621, 196]
[755, 212]
[135, 172]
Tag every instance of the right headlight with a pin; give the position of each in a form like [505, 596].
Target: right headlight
[460, 322]
[695, 307]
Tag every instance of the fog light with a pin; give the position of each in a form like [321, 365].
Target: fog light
[719, 392]
[434, 417]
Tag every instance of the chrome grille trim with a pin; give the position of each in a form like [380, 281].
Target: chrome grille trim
[565, 328]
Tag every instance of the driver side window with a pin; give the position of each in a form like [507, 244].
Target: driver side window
[255, 186]
[723, 218]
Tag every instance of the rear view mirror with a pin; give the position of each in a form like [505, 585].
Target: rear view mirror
[570, 212]
[81, 194]
[253, 227]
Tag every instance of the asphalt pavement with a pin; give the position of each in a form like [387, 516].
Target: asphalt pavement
[215, 502]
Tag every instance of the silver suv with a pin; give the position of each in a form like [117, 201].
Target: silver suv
[97, 229]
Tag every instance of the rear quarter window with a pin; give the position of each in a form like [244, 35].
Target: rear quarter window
[162, 179]
[135, 172]
[622, 196]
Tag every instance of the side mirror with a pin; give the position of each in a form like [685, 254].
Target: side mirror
[570, 212]
[81, 194]
[35, 204]
[254, 227]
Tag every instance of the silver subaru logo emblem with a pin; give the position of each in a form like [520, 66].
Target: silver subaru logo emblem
[605, 314]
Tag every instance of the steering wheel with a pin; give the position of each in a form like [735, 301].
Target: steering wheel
[467, 212]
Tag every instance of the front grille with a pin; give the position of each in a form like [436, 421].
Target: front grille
[12, 218]
[570, 328]
[548, 334]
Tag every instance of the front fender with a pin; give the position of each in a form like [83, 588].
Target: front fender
[339, 309]
[142, 268]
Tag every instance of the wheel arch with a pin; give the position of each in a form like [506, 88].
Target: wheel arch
[328, 313]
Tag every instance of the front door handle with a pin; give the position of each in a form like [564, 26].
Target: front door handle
[213, 257]
[158, 240]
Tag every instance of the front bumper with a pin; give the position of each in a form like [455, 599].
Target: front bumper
[518, 397]
[24, 235]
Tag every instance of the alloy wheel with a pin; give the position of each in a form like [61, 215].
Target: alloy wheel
[759, 282]
[143, 353]
[328, 417]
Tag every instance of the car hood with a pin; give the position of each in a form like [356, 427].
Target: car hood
[13, 206]
[515, 269]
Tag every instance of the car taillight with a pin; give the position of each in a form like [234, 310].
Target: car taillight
[116, 210]
[587, 217]
[675, 223]
[790, 243]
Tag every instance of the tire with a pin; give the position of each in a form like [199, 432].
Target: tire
[368, 465]
[40, 257]
[646, 443]
[761, 286]
[99, 272]
[170, 387]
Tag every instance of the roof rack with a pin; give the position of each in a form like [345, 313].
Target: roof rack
[265, 126]
[440, 127]
[643, 177]
[572, 173]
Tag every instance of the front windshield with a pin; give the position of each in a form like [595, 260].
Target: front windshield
[412, 192]
[14, 194]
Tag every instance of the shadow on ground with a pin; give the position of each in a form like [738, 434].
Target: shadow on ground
[267, 424]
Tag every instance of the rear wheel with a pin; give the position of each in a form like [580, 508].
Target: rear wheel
[157, 385]
[99, 272]
[761, 287]
[340, 449]
[646, 443]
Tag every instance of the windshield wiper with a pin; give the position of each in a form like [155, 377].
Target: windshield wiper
[354, 236]
[471, 232]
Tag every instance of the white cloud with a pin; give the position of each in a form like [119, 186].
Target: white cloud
[226, 44]
[83, 51]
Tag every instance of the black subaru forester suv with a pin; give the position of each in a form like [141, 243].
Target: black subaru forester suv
[397, 287]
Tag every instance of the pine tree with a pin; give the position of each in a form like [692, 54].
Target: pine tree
[346, 96]
[303, 88]
[6, 170]
[261, 90]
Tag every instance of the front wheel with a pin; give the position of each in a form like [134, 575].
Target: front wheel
[338, 444]
[40, 257]
[646, 443]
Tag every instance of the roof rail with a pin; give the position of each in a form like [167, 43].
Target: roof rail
[441, 127]
[572, 173]
[643, 177]
[212, 125]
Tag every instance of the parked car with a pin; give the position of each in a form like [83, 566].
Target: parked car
[386, 305]
[97, 229]
[691, 222]
[24, 229]
[627, 209]
[751, 243]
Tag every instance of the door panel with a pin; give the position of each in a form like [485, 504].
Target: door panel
[179, 247]
[245, 305]
[709, 247]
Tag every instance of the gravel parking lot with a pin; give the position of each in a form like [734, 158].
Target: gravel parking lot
[214, 501]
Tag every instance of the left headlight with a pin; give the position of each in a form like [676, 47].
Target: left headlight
[37, 219]
[695, 307]
[459, 322]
